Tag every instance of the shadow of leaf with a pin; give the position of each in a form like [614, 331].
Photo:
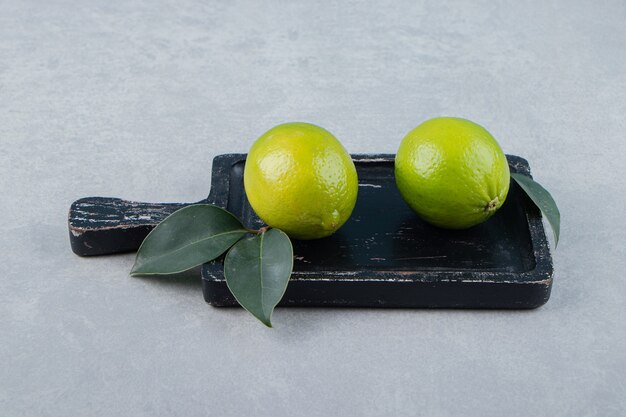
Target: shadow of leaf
[187, 279]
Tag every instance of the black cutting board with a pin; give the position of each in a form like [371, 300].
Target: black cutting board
[384, 256]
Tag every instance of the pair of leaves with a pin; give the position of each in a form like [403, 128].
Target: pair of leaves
[543, 200]
[257, 269]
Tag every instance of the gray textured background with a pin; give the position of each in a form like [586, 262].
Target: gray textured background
[133, 99]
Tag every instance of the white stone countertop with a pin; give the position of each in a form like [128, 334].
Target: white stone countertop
[133, 99]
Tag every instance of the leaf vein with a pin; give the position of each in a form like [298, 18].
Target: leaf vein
[261, 272]
[155, 258]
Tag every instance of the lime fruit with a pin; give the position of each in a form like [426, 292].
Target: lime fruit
[300, 179]
[452, 172]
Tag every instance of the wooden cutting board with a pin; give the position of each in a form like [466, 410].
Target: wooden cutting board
[384, 256]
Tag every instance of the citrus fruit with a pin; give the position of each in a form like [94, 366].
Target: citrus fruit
[300, 179]
[452, 172]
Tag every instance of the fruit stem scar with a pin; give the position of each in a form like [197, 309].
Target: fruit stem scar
[492, 205]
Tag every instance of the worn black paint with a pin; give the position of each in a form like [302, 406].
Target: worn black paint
[384, 256]
[103, 226]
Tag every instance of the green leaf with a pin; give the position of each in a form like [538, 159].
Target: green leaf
[257, 272]
[542, 199]
[187, 238]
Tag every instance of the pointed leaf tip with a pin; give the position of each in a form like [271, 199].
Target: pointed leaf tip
[187, 238]
[257, 271]
[543, 200]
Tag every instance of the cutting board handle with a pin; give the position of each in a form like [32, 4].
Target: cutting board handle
[102, 225]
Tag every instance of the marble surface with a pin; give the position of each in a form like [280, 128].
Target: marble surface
[134, 98]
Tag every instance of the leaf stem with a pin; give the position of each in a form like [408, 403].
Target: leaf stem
[258, 232]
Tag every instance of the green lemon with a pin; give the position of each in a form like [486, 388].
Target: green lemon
[452, 172]
[300, 179]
